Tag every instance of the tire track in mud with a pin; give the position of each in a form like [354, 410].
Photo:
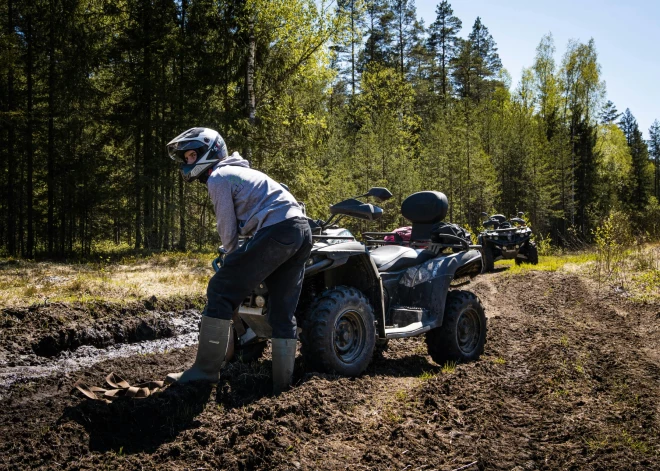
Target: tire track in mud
[576, 364]
[564, 383]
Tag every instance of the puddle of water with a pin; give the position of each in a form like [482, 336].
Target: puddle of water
[87, 356]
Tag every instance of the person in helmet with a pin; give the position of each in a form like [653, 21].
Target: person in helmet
[247, 203]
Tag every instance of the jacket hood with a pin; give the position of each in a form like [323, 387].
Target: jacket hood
[234, 159]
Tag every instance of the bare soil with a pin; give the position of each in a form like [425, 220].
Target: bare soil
[570, 379]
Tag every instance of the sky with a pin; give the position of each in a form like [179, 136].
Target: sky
[626, 33]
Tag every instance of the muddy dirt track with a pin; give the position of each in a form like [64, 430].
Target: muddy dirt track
[570, 379]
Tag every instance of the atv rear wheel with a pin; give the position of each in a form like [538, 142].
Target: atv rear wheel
[532, 254]
[463, 332]
[339, 334]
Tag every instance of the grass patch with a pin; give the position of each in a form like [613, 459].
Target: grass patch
[391, 416]
[130, 278]
[550, 262]
[449, 367]
[595, 444]
[635, 273]
[427, 375]
[634, 444]
[401, 395]
[624, 440]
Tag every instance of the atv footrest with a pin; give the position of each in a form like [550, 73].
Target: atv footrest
[411, 330]
[404, 315]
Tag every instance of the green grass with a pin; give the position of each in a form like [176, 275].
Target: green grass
[634, 444]
[549, 262]
[449, 367]
[401, 395]
[625, 439]
[128, 278]
[427, 375]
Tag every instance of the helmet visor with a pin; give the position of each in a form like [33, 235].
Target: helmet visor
[177, 150]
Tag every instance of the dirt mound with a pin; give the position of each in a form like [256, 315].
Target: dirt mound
[569, 380]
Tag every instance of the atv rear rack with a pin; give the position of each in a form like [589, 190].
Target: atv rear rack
[436, 247]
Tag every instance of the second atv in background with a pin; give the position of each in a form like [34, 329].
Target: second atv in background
[505, 239]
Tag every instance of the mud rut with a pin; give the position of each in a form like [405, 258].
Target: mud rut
[570, 379]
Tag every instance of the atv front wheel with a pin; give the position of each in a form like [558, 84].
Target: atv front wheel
[339, 334]
[489, 257]
[532, 254]
[462, 335]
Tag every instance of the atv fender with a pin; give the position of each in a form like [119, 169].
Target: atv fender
[351, 265]
[426, 286]
[340, 253]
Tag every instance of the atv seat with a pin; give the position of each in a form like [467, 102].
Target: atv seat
[396, 257]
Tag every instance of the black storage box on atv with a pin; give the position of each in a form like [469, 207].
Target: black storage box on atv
[505, 239]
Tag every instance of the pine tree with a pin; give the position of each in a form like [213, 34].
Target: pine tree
[609, 114]
[487, 63]
[463, 71]
[444, 43]
[404, 20]
[349, 51]
[641, 180]
[379, 34]
[654, 151]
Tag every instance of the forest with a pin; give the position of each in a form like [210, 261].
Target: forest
[329, 98]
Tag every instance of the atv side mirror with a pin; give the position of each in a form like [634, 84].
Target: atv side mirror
[381, 194]
[485, 215]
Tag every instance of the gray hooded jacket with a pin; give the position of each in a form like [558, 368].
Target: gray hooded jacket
[245, 200]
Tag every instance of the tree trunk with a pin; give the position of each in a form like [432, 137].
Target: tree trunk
[147, 169]
[29, 249]
[138, 190]
[182, 205]
[401, 39]
[51, 137]
[11, 139]
[657, 176]
[251, 100]
[353, 48]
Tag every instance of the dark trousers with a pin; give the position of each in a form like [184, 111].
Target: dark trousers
[276, 256]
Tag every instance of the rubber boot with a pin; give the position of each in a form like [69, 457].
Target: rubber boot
[284, 356]
[213, 341]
